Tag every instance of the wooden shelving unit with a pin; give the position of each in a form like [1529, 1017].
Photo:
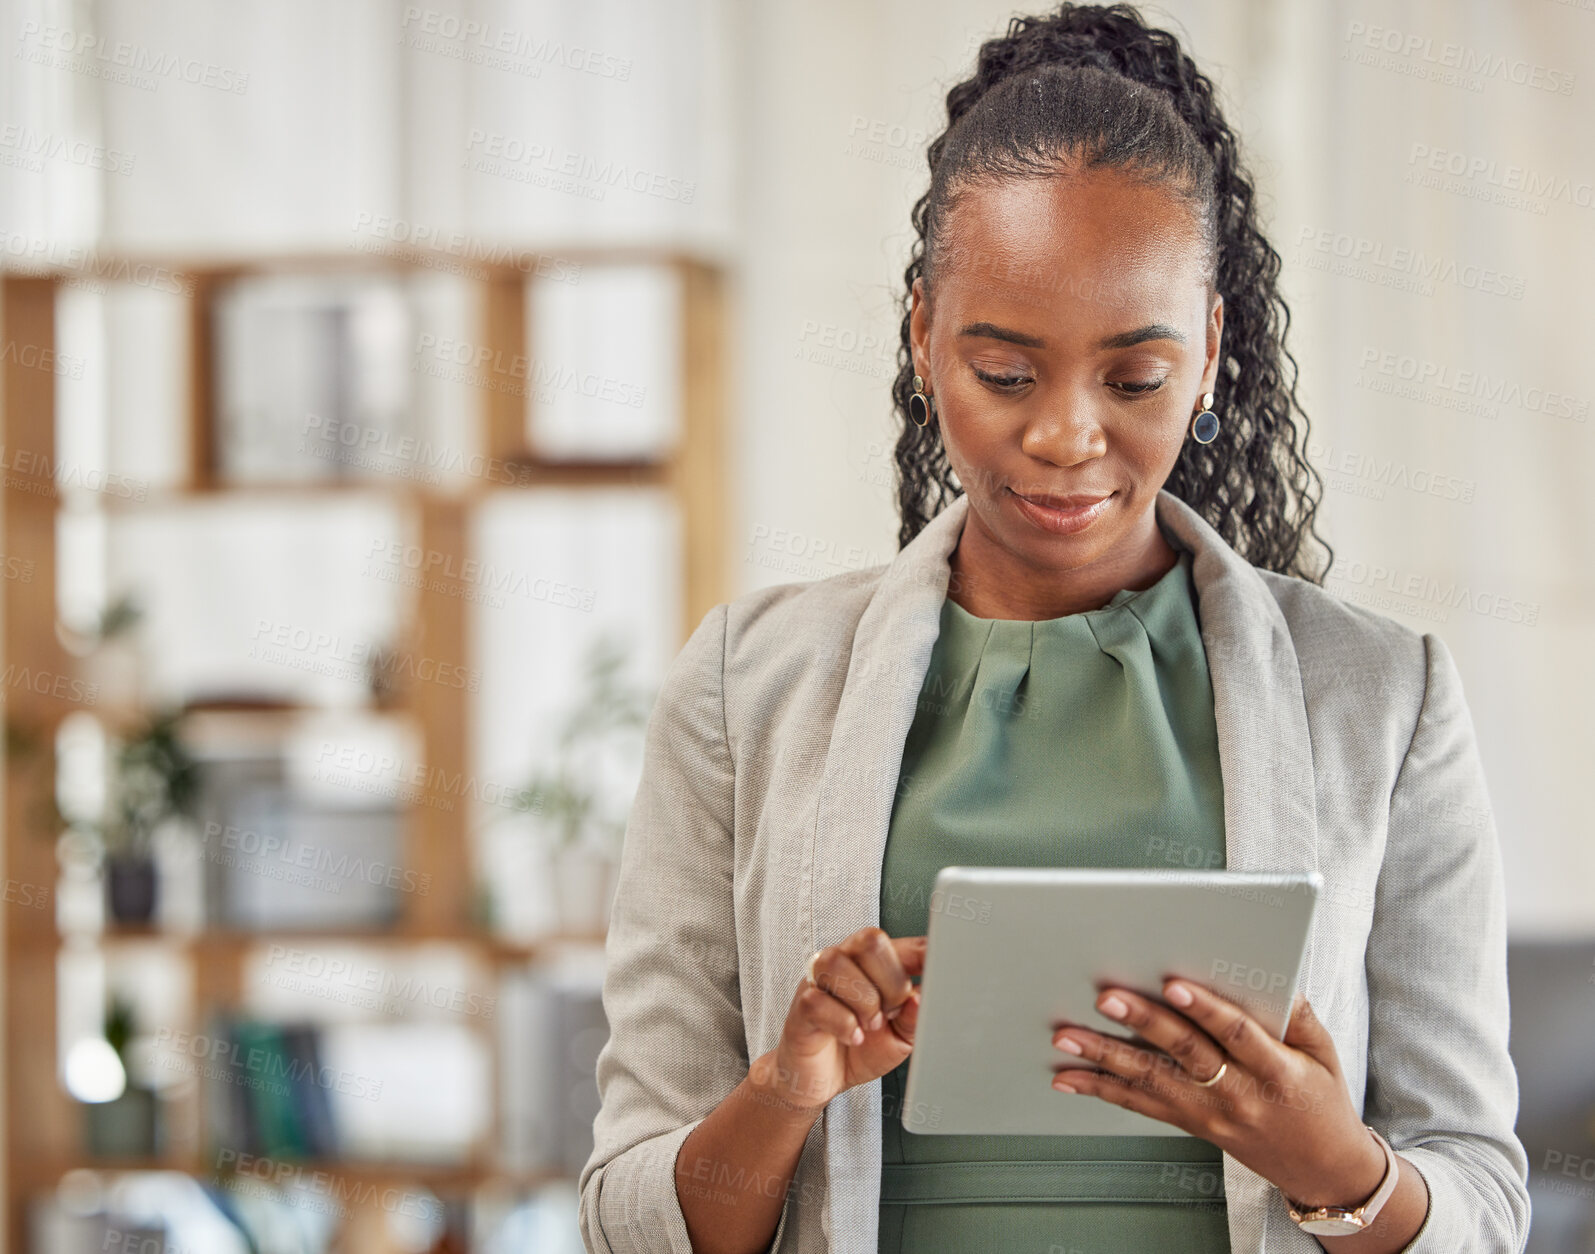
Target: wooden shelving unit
[41, 1123]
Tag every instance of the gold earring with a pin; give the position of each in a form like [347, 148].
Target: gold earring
[927, 404]
[1204, 426]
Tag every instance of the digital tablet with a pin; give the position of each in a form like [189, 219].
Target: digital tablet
[1013, 953]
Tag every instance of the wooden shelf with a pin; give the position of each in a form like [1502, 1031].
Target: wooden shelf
[507, 260]
[439, 1177]
[42, 1124]
[530, 473]
[235, 942]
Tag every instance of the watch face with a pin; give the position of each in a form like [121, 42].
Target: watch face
[1331, 1227]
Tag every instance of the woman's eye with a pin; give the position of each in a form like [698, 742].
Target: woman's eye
[1138, 389]
[1006, 381]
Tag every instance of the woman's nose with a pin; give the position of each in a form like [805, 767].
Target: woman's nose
[1066, 434]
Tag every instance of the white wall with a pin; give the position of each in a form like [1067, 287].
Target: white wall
[826, 234]
[801, 125]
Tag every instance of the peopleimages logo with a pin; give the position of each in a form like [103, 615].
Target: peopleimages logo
[135, 65]
[1383, 587]
[1445, 61]
[1361, 257]
[1374, 471]
[484, 366]
[468, 250]
[27, 252]
[379, 449]
[26, 471]
[1534, 184]
[506, 155]
[312, 1190]
[501, 48]
[327, 653]
[309, 971]
[336, 865]
[1422, 373]
[33, 148]
[263, 1067]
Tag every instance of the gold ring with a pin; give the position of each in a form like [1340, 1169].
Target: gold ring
[1219, 1075]
[809, 969]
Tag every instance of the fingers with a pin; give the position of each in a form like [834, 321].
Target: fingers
[1306, 1032]
[905, 1019]
[1235, 1032]
[822, 1015]
[1182, 1043]
[911, 953]
[839, 975]
[1134, 1095]
[868, 974]
[879, 957]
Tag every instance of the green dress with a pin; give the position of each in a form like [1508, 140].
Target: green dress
[1088, 741]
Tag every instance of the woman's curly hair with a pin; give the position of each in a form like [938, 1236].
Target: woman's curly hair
[1094, 84]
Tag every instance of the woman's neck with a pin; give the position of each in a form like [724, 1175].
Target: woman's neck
[991, 581]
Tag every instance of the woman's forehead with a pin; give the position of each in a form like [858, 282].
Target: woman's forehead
[1072, 244]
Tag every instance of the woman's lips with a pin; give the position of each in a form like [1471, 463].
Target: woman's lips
[1062, 515]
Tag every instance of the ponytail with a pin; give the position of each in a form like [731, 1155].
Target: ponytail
[1095, 81]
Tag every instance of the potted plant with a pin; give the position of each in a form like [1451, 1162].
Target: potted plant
[153, 779]
[108, 651]
[582, 819]
[128, 1125]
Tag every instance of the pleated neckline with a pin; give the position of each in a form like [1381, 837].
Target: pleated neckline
[1167, 593]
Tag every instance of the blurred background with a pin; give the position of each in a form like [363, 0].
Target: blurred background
[387, 389]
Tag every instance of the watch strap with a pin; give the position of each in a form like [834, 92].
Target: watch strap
[1358, 1216]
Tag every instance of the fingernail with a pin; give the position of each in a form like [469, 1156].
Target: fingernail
[1178, 994]
[1063, 1086]
[894, 1011]
[1069, 1044]
[1114, 1008]
[876, 1021]
[857, 1038]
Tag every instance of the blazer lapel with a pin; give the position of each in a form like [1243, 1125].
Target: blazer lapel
[1265, 760]
[891, 653]
[1265, 752]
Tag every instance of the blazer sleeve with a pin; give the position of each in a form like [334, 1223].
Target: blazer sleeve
[1441, 1085]
[676, 1043]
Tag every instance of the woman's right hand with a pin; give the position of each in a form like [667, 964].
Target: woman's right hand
[853, 1026]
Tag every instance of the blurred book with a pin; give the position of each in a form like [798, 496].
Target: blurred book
[409, 1092]
[134, 1212]
[269, 1090]
[551, 1029]
[605, 376]
[276, 860]
[55, 1229]
[372, 1092]
[312, 378]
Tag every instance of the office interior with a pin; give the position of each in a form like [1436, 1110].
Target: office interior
[387, 391]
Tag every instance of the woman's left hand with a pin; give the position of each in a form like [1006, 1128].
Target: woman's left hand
[1280, 1108]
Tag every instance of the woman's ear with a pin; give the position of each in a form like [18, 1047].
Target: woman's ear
[919, 330]
[1215, 341]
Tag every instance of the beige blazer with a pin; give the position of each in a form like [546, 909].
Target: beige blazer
[759, 826]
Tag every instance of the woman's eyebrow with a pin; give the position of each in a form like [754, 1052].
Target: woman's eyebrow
[1154, 331]
[991, 331]
[1124, 339]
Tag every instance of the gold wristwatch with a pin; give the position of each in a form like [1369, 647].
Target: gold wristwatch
[1339, 1221]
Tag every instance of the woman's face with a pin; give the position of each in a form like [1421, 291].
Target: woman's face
[1069, 339]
